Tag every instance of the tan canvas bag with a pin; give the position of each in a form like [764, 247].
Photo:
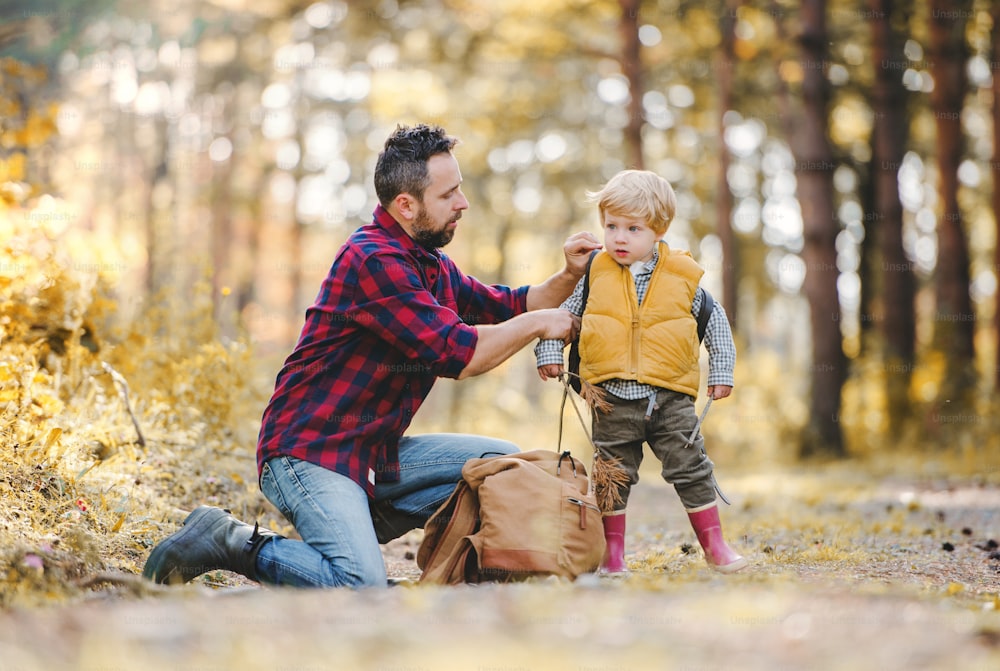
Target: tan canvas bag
[514, 517]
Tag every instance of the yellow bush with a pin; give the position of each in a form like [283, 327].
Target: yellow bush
[83, 490]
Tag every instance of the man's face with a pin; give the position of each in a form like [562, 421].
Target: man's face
[441, 208]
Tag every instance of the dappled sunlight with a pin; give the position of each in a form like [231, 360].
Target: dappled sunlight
[176, 179]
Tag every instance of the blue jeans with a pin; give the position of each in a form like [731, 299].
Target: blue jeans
[332, 513]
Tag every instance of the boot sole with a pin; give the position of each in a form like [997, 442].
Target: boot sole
[192, 523]
[732, 567]
[613, 574]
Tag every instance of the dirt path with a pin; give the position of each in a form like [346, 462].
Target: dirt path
[848, 572]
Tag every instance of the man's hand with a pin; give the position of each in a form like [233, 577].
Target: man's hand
[499, 342]
[577, 249]
[557, 324]
[549, 371]
[717, 391]
[553, 291]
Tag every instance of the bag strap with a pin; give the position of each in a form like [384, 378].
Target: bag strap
[586, 284]
[705, 312]
[574, 347]
[442, 557]
[583, 424]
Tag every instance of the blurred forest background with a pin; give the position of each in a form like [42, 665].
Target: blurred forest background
[176, 178]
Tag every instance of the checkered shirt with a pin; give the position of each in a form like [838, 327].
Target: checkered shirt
[390, 318]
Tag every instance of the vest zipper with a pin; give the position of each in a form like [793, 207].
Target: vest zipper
[633, 363]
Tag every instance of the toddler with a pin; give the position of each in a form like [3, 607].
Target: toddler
[639, 342]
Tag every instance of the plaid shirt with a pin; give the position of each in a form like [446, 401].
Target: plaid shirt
[390, 318]
[718, 339]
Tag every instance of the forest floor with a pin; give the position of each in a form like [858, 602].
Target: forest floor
[849, 570]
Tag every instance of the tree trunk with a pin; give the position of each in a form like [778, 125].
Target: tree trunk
[869, 263]
[247, 292]
[154, 176]
[814, 174]
[723, 196]
[296, 238]
[954, 319]
[896, 277]
[222, 240]
[631, 64]
[995, 166]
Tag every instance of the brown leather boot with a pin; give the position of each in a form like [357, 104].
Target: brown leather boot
[614, 536]
[708, 528]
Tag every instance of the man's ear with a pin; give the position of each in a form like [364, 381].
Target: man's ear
[406, 205]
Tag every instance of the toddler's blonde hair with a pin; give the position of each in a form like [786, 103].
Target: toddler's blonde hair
[638, 193]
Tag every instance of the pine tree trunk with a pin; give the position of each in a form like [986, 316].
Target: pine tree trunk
[896, 277]
[869, 264]
[222, 240]
[247, 292]
[154, 175]
[723, 196]
[954, 318]
[814, 174]
[631, 63]
[995, 168]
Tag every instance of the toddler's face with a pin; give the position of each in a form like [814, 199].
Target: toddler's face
[628, 239]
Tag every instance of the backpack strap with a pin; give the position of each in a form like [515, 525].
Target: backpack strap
[574, 347]
[444, 552]
[705, 312]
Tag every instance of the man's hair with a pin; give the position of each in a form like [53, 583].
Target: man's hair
[402, 164]
[638, 193]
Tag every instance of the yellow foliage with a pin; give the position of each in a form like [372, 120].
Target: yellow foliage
[21, 127]
[9, 107]
[702, 25]
[12, 168]
[37, 130]
[71, 502]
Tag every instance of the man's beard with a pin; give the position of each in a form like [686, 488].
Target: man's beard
[425, 235]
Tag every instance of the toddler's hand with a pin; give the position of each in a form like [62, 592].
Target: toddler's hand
[717, 391]
[549, 371]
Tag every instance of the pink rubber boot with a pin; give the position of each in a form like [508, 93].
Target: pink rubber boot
[614, 535]
[707, 527]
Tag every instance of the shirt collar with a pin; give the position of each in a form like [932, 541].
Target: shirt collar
[386, 221]
[649, 265]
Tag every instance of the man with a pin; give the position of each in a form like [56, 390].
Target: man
[392, 316]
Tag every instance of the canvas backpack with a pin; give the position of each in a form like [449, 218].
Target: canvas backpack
[513, 517]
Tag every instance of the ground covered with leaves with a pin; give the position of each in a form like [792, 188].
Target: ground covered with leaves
[849, 570]
[108, 437]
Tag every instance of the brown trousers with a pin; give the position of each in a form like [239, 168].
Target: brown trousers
[622, 431]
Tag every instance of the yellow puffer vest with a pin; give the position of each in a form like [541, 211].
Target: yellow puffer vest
[656, 343]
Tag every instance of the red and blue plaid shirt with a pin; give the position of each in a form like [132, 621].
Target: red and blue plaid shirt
[390, 318]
